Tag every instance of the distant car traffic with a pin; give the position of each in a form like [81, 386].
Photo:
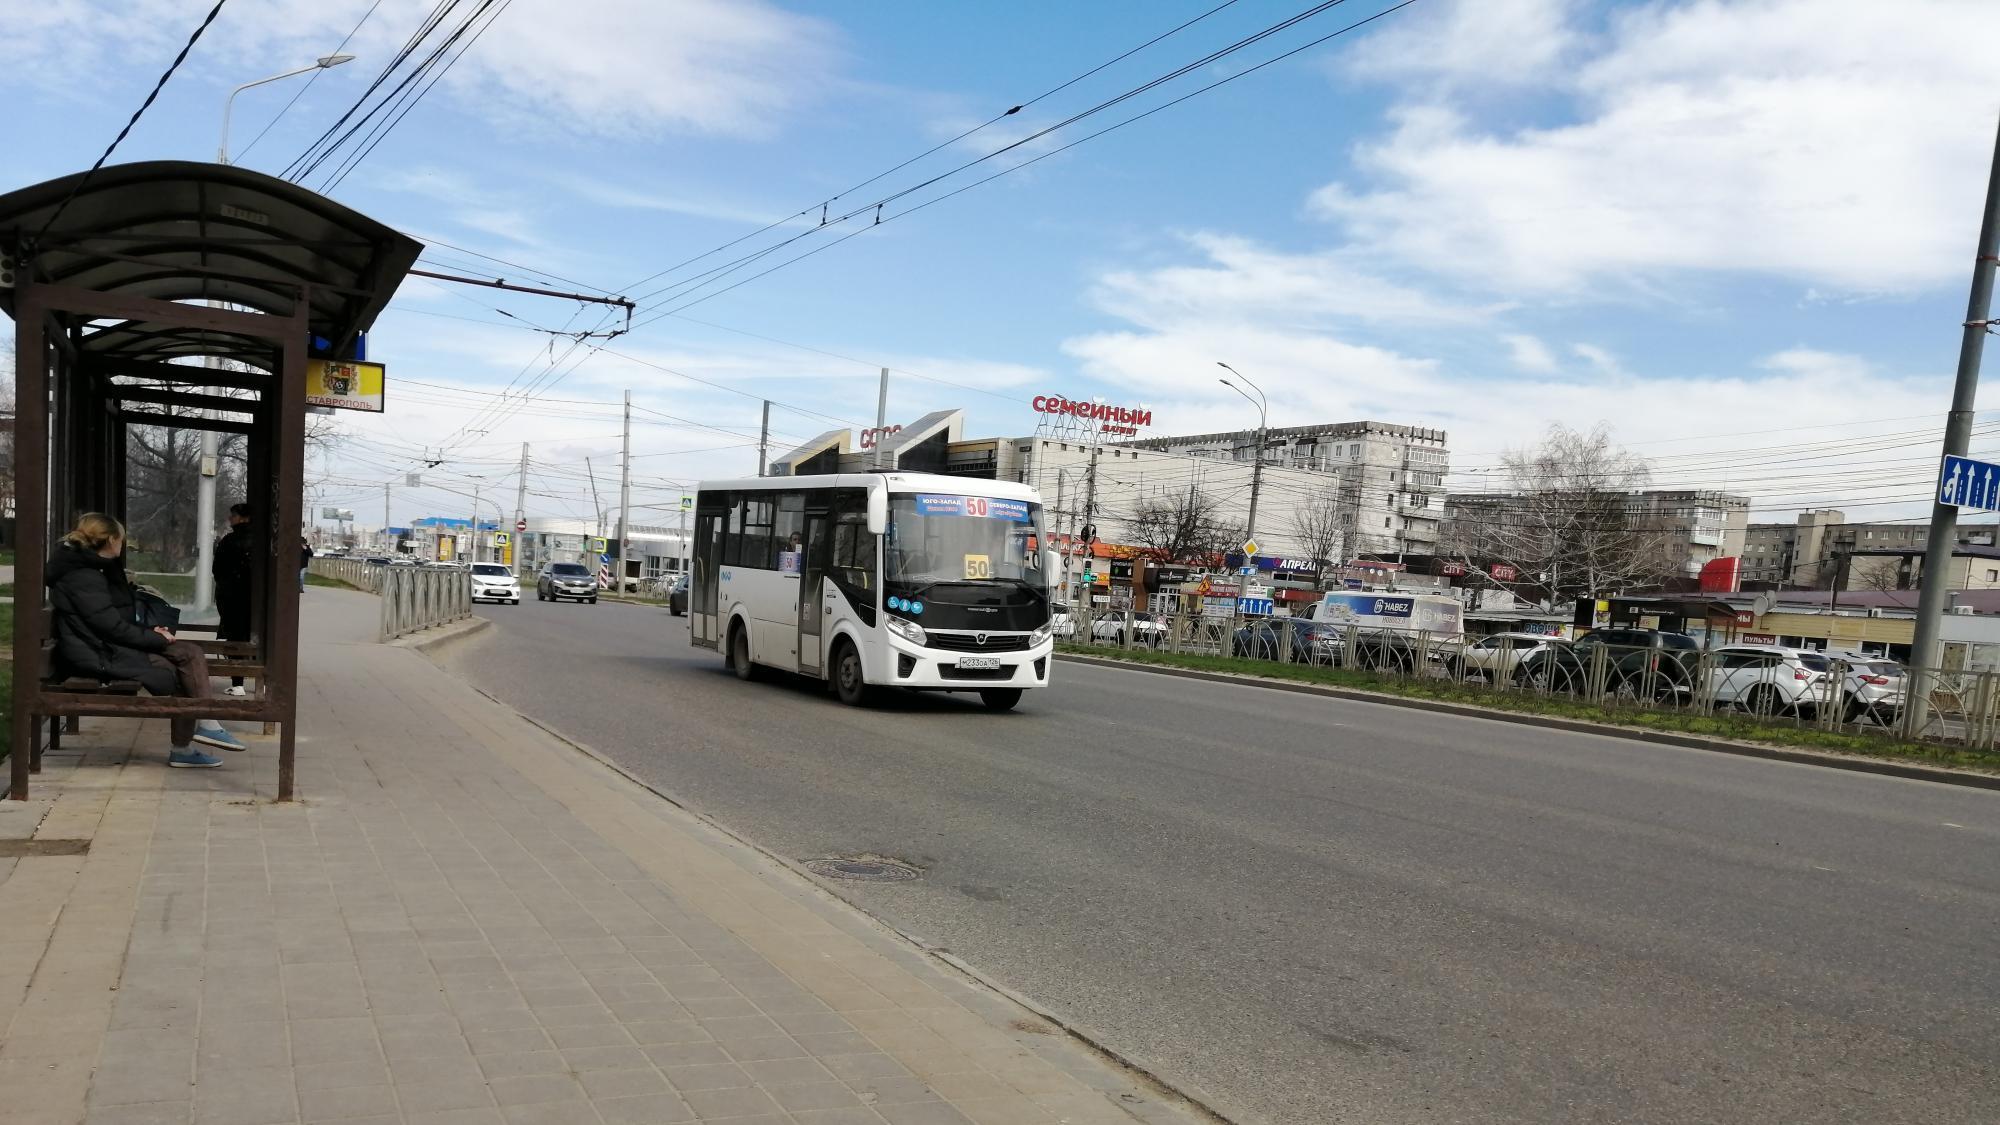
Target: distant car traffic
[494, 582]
[1061, 624]
[566, 580]
[677, 598]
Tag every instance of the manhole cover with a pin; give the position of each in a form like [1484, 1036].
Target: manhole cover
[862, 870]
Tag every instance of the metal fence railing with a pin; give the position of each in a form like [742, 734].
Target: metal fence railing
[1960, 706]
[355, 572]
[413, 597]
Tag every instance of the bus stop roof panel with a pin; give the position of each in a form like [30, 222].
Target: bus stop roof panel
[193, 231]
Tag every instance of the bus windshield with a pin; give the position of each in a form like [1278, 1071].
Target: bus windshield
[970, 560]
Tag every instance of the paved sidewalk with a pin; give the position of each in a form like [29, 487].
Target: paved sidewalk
[464, 922]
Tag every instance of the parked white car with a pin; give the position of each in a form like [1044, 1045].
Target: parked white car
[1061, 624]
[1874, 688]
[1146, 629]
[1495, 658]
[492, 582]
[1773, 680]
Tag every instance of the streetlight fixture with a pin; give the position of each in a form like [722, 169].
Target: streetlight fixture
[204, 583]
[1263, 428]
[325, 62]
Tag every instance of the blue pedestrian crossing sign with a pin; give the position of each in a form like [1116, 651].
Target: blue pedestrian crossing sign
[1966, 483]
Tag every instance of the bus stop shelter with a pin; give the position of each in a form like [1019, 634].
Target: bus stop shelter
[177, 295]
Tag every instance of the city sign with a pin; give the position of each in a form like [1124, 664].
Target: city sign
[1503, 573]
[1966, 483]
[1068, 417]
[869, 438]
[342, 384]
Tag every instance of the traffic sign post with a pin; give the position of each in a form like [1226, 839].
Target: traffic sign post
[1967, 483]
[520, 525]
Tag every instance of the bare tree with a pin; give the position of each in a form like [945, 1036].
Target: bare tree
[1572, 525]
[1183, 528]
[1316, 528]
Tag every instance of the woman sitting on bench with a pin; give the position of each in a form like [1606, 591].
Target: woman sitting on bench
[97, 633]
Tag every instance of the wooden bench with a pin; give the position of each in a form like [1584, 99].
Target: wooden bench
[227, 658]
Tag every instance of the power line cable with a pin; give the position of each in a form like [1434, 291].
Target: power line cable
[134, 120]
[928, 152]
[245, 150]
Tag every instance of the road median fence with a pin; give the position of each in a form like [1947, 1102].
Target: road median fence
[1815, 701]
[413, 597]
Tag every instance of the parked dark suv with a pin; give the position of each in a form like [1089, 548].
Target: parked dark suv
[1644, 663]
[677, 598]
[566, 580]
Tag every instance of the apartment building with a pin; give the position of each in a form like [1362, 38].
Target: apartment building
[1806, 553]
[1689, 528]
[1389, 478]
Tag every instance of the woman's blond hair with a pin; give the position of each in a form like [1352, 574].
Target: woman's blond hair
[93, 530]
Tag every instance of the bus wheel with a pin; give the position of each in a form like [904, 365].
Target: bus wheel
[1000, 698]
[848, 682]
[739, 654]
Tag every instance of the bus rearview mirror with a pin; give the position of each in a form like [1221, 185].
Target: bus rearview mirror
[878, 511]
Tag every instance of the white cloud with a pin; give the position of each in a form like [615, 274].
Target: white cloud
[1600, 360]
[1870, 424]
[1801, 139]
[1240, 278]
[618, 68]
[1529, 354]
[1471, 42]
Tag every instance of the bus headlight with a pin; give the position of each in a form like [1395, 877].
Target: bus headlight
[908, 630]
[1042, 632]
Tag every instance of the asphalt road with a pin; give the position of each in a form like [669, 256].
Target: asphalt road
[1310, 911]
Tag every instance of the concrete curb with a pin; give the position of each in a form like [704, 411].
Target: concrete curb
[1193, 1098]
[1880, 766]
[431, 640]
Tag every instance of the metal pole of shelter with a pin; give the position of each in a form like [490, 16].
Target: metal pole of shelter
[1932, 592]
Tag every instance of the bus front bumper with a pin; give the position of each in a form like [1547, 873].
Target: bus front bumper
[941, 670]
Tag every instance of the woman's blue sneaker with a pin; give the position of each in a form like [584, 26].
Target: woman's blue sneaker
[193, 759]
[217, 737]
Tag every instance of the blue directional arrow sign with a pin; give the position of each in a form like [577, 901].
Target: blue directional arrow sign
[1966, 483]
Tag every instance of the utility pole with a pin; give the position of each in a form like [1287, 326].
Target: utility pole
[385, 505]
[764, 438]
[881, 417]
[1257, 455]
[472, 529]
[1931, 596]
[520, 508]
[596, 505]
[625, 498]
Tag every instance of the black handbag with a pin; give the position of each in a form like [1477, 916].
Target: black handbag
[151, 611]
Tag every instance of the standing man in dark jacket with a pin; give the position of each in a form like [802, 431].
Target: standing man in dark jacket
[98, 634]
[231, 571]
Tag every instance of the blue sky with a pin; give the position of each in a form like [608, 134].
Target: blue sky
[1736, 232]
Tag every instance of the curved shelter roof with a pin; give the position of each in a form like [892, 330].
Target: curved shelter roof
[195, 231]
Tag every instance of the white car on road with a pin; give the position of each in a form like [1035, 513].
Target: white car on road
[492, 582]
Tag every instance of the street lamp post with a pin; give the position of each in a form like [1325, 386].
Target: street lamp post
[326, 62]
[211, 449]
[1263, 428]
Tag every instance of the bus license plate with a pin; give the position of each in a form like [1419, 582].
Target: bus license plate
[978, 663]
